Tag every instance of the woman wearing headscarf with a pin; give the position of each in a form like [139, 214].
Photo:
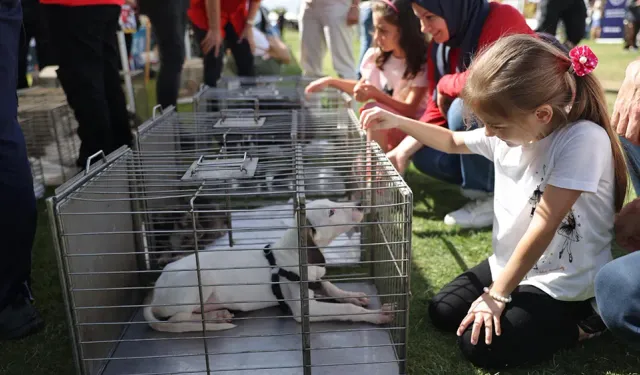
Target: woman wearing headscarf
[458, 29]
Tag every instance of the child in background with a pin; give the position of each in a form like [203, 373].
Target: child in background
[560, 177]
[393, 72]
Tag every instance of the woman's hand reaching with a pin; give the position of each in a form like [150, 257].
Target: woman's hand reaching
[485, 311]
[378, 119]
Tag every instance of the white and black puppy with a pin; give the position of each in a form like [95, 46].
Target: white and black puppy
[175, 303]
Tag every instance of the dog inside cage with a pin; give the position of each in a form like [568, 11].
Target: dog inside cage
[182, 261]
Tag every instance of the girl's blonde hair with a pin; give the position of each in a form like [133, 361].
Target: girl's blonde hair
[519, 73]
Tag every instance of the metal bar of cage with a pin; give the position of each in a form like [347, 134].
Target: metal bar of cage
[111, 220]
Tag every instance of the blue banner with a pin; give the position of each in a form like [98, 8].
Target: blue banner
[612, 19]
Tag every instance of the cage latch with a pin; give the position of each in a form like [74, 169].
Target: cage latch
[240, 122]
[209, 167]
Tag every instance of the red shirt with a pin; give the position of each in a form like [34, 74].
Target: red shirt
[231, 11]
[502, 20]
[75, 3]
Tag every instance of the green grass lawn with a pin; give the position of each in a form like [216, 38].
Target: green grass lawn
[439, 254]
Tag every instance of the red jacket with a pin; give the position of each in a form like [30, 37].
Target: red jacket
[502, 20]
[232, 11]
[75, 3]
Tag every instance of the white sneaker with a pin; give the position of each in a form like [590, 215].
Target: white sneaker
[475, 214]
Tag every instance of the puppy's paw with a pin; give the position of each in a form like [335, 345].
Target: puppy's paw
[386, 313]
[358, 299]
[219, 316]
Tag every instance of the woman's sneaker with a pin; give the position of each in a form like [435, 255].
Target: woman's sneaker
[476, 214]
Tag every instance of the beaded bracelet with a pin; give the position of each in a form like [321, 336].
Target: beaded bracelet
[497, 297]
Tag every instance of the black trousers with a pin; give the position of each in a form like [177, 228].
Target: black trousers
[631, 29]
[241, 54]
[169, 21]
[34, 26]
[85, 38]
[534, 325]
[573, 14]
[17, 201]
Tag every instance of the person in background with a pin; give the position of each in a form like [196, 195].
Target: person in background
[560, 179]
[222, 24]
[573, 14]
[618, 283]
[458, 33]
[338, 18]
[393, 72]
[18, 315]
[35, 26]
[631, 25]
[269, 53]
[84, 35]
[281, 24]
[595, 28]
[366, 30]
[169, 22]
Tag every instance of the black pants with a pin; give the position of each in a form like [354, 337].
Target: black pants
[573, 14]
[241, 54]
[85, 37]
[631, 29]
[17, 201]
[169, 21]
[534, 325]
[34, 26]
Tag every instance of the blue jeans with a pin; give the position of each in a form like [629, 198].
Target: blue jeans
[471, 172]
[617, 285]
[366, 26]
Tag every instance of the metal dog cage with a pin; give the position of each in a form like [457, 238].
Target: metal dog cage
[111, 223]
[266, 93]
[52, 135]
[37, 173]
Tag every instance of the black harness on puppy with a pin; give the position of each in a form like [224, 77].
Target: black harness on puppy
[276, 272]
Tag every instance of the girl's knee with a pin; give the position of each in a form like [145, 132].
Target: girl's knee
[444, 315]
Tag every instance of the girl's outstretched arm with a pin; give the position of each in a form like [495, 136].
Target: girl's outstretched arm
[344, 85]
[434, 136]
[552, 209]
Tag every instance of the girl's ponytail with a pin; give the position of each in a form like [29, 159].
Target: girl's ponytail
[590, 104]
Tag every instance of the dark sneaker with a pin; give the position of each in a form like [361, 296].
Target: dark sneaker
[19, 319]
[591, 326]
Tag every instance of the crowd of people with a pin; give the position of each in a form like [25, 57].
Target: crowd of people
[446, 85]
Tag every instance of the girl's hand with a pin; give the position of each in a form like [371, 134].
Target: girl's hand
[377, 119]
[213, 40]
[399, 159]
[484, 311]
[364, 91]
[317, 85]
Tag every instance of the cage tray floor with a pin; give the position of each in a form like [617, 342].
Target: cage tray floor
[261, 346]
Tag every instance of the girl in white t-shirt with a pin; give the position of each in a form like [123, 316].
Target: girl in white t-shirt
[393, 72]
[560, 177]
